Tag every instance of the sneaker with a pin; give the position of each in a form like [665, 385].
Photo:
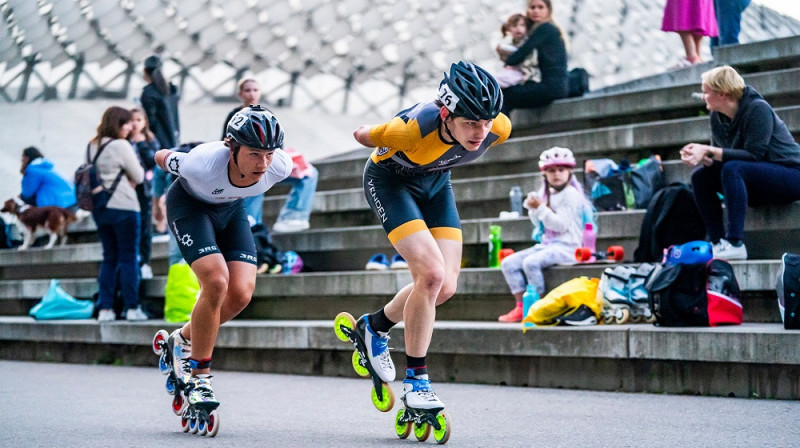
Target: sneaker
[398, 262]
[290, 225]
[377, 347]
[200, 391]
[181, 351]
[727, 251]
[418, 393]
[134, 314]
[146, 272]
[580, 316]
[106, 316]
[378, 262]
[514, 315]
[160, 238]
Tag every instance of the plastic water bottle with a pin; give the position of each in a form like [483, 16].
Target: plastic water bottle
[515, 198]
[495, 244]
[530, 297]
[590, 239]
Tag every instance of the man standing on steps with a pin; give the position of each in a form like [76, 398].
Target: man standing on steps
[407, 185]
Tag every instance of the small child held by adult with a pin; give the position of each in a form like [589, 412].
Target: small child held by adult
[557, 212]
[514, 31]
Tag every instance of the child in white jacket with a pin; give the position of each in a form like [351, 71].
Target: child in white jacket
[558, 209]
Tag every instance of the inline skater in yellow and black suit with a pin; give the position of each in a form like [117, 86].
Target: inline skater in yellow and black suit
[407, 184]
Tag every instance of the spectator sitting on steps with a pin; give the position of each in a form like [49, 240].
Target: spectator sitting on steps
[41, 186]
[752, 159]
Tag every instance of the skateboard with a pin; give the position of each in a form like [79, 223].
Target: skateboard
[585, 255]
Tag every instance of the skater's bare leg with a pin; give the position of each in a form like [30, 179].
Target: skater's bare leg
[241, 284]
[434, 267]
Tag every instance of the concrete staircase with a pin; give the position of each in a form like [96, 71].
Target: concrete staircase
[288, 325]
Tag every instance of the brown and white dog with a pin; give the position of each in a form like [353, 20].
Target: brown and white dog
[53, 220]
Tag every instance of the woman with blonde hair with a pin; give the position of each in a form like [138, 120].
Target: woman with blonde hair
[546, 38]
[753, 159]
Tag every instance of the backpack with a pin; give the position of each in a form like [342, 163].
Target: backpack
[564, 298]
[269, 256]
[57, 304]
[89, 190]
[577, 82]
[788, 286]
[671, 218]
[695, 295]
[180, 293]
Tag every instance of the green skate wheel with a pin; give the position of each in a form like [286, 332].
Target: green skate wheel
[343, 319]
[422, 431]
[403, 430]
[360, 370]
[387, 403]
[442, 435]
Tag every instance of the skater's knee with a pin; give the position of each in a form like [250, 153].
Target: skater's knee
[430, 281]
[239, 294]
[447, 291]
[215, 284]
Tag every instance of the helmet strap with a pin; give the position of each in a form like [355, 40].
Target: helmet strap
[447, 131]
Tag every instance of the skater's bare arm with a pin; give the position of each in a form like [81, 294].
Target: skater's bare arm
[362, 136]
[161, 157]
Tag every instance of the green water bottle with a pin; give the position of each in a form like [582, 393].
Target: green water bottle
[495, 244]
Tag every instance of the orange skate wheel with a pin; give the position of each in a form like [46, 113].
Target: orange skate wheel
[616, 253]
[583, 254]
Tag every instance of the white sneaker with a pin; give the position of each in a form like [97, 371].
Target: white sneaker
[134, 314]
[290, 225]
[727, 251]
[162, 238]
[106, 316]
[146, 272]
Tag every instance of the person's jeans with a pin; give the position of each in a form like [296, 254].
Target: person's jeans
[297, 206]
[301, 198]
[145, 227]
[119, 236]
[742, 183]
[729, 18]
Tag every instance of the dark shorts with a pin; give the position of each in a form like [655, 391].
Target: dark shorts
[406, 204]
[202, 229]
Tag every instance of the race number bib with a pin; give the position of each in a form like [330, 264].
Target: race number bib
[447, 97]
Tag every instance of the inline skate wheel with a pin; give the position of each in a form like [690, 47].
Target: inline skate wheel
[360, 370]
[178, 404]
[622, 316]
[202, 426]
[170, 385]
[650, 319]
[213, 423]
[185, 423]
[608, 318]
[387, 403]
[163, 366]
[442, 435]
[343, 319]
[422, 431]
[194, 424]
[403, 430]
[159, 341]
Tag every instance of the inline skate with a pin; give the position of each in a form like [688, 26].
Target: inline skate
[639, 301]
[370, 358]
[200, 416]
[174, 364]
[423, 412]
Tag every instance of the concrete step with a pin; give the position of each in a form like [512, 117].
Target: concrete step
[482, 293]
[751, 360]
[658, 103]
[520, 155]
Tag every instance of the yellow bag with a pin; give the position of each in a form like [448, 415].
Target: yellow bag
[180, 293]
[568, 295]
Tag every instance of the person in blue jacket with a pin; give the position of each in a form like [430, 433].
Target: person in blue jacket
[41, 186]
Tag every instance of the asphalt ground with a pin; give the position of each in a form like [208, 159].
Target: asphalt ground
[68, 405]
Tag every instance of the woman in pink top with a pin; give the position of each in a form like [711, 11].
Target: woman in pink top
[691, 19]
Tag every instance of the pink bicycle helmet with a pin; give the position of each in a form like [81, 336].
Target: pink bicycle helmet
[556, 156]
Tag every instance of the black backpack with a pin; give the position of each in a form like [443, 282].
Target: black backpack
[266, 251]
[90, 194]
[577, 82]
[695, 295]
[788, 288]
[672, 218]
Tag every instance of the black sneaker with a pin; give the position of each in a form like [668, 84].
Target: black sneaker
[580, 316]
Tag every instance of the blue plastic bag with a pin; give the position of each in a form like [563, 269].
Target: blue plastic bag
[57, 304]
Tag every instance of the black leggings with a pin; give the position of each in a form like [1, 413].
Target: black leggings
[533, 94]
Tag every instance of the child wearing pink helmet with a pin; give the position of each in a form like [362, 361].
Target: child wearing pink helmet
[558, 211]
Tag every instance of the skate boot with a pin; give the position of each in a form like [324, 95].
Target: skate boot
[423, 411]
[201, 415]
[170, 365]
[614, 287]
[180, 350]
[371, 356]
[640, 303]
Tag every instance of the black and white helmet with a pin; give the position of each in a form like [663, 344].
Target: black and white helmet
[470, 92]
[256, 128]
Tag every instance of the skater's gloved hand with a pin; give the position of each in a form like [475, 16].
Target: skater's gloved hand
[532, 201]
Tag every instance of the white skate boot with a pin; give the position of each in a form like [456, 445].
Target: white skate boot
[181, 350]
